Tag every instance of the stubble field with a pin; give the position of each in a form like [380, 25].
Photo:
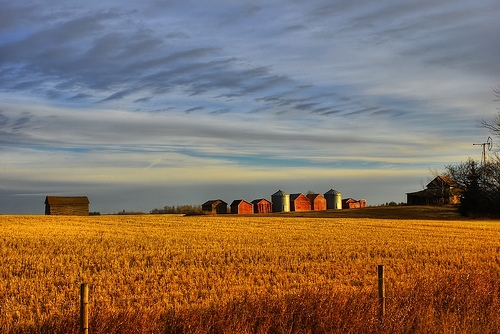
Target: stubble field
[254, 274]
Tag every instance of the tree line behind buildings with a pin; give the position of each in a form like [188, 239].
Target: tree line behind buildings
[480, 180]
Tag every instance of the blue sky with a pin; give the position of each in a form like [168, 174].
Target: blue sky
[144, 104]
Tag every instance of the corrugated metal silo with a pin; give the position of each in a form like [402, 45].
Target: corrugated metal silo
[281, 201]
[333, 199]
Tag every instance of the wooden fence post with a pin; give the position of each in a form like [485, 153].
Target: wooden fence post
[84, 310]
[381, 292]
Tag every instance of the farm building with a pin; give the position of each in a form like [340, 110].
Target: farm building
[333, 199]
[281, 201]
[440, 191]
[299, 202]
[350, 203]
[67, 206]
[262, 205]
[217, 206]
[241, 207]
[318, 202]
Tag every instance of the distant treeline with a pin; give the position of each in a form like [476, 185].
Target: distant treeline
[393, 204]
[179, 209]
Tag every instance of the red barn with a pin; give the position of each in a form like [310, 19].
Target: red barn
[299, 202]
[318, 202]
[241, 207]
[262, 205]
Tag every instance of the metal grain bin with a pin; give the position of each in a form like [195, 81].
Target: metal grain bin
[281, 201]
[333, 199]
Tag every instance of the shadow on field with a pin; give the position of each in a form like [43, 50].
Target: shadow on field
[384, 212]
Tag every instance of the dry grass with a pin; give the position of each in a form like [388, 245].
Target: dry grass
[261, 274]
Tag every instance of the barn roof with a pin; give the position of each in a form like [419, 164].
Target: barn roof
[349, 200]
[257, 201]
[436, 187]
[238, 201]
[66, 200]
[312, 197]
[424, 193]
[214, 201]
[293, 197]
[434, 193]
[441, 180]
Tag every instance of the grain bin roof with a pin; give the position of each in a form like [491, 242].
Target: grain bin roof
[66, 200]
[332, 192]
[279, 193]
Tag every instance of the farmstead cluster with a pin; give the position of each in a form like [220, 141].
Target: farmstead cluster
[284, 202]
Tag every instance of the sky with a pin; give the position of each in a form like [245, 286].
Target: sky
[143, 104]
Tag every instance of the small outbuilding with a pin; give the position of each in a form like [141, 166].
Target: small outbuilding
[216, 206]
[67, 205]
[262, 205]
[350, 203]
[299, 202]
[241, 207]
[318, 202]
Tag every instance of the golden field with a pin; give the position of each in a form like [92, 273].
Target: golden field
[252, 274]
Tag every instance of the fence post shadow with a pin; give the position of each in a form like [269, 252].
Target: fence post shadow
[381, 292]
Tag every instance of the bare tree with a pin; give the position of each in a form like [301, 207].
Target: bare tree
[494, 125]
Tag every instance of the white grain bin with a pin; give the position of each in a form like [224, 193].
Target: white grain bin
[281, 201]
[333, 199]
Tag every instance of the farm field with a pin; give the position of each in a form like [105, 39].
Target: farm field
[252, 274]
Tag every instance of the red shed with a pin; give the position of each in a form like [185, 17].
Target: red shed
[318, 202]
[299, 202]
[241, 207]
[350, 203]
[262, 205]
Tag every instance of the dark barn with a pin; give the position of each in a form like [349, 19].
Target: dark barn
[241, 207]
[67, 206]
[318, 202]
[440, 191]
[217, 206]
[262, 205]
[299, 202]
